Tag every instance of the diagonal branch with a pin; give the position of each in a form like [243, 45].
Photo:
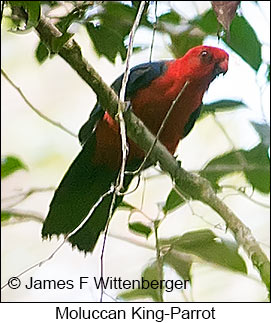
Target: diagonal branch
[21, 216]
[148, 153]
[196, 187]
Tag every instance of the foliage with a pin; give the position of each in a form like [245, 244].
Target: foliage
[109, 38]
[179, 256]
[10, 164]
[109, 34]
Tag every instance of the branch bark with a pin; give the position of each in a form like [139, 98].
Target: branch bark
[193, 185]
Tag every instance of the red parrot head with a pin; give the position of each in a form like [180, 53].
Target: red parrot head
[205, 63]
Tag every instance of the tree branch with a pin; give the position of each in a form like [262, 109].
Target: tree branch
[22, 216]
[196, 187]
[24, 195]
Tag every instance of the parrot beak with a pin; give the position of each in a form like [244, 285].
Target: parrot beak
[221, 67]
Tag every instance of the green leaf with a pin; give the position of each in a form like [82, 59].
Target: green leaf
[171, 17]
[10, 164]
[150, 274]
[41, 52]
[33, 11]
[139, 227]
[108, 34]
[180, 262]
[221, 166]
[256, 168]
[207, 246]
[181, 43]
[173, 201]
[125, 14]
[106, 41]
[221, 106]
[244, 42]
[126, 206]
[65, 22]
[242, 39]
[76, 15]
[5, 216]
[207, 22]
[18, 217]
[258, 172]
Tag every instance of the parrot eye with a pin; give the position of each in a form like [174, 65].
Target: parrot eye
[204, 53]
[206, 57]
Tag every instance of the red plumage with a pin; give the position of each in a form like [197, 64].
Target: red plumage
[151, 89]
[151, 104]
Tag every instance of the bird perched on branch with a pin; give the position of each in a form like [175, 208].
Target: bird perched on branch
[151, 89]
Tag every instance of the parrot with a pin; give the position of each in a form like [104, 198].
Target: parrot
[150, 90]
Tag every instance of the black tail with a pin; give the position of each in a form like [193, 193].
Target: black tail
[81, 187]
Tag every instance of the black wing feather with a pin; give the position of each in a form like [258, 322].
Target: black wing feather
[140, 77]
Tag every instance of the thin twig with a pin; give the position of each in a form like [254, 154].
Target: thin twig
[40, 263]
[240, 192]
[188, 203]
[124, 144]
[232, 168]
[160, 130]
[43, 116]
[24, 195]
[28, 193]
[132, 191]
[67, 236]
[83, 222]
[113, 299]
[153, 31]
[22, 216]
[143, 192]
[136, 210]
[158, 257]
[242, 160]
[111, 211]
[132, 241]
